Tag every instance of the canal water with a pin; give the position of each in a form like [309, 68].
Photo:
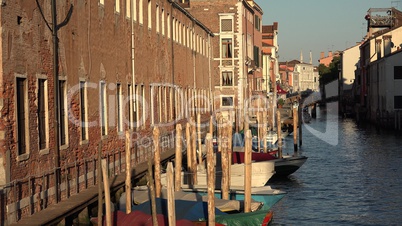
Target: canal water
[353, 176]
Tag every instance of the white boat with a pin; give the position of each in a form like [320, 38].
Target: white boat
[261, 172]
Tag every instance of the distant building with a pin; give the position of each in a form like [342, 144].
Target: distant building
[326, 60]
[307, 75]
[348, 65]
[237, 67]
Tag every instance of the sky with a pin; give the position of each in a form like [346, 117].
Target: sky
[318, 25]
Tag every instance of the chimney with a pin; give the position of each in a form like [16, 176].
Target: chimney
[330, 53]
[322, 55]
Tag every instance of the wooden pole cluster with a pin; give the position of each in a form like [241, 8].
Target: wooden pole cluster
[157, 158]
[211, 180]
[178, 158]
[247, 172]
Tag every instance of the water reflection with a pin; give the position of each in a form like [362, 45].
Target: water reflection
[355, 182]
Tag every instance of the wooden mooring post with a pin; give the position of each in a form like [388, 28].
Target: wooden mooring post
[295, 128]
[157, 159]
[128, 173]
[178, 158]
[210, 180]
[107, 193]
[224, 161]
[247, 172]
[279, 124]
[152, 193]
[170, 195]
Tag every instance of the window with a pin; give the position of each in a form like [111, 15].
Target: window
[157, 18]
[387, 45]
[103, 107]
[163, 21]
[168, 25]
[149, 14]
[130, 106]
[128, 8]
[83, 110]
[63, 120]
[226, 25]
[257, 22]
[42, 114]
[119, 107]
[378, 48]
[141, 12]
[227, 101]
[140, 100]
[152, 104]
[397, 72]
[117, 6]
[227, 48]
[257, 56]
[22, 115]
[397, 102]
[227, 78]
[174, 29]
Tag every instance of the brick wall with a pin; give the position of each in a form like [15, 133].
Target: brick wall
[94, 46]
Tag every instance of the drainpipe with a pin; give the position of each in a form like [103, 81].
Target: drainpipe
[56, 99]
[209, 74]
[132, 58]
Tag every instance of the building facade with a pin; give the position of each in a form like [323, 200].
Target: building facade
[123, 67]
[379, 71]
[237, 66]
[270, 55]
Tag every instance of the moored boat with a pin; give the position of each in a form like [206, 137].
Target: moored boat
[284, 166]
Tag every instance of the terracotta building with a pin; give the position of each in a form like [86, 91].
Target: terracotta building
[123, 66]
[237, 45]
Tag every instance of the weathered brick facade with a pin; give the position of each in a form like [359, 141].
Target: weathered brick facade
[246, 35]
[95, 45]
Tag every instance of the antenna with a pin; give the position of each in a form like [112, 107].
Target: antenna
[395, 3]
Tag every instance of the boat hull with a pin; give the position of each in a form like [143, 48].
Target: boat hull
[283, 167]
